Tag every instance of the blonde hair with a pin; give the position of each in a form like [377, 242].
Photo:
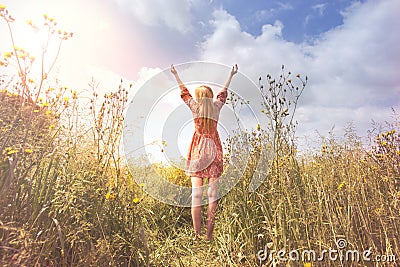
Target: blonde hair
[207, 111]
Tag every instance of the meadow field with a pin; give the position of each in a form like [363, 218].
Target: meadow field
[67, 197]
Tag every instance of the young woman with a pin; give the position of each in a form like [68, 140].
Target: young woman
[204, 158]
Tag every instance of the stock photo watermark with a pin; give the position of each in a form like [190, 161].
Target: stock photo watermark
[341, 254]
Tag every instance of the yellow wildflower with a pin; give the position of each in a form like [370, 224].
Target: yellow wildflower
[5, 151]
[307, 264]
[341, 185]
[141, 184]
[12, 151]
[7, 54]
[28, 150]
[2, 7]
[51, 126]
[136, 200]
[110, 196]
[22, 55]
[36, 111]
[66, 98]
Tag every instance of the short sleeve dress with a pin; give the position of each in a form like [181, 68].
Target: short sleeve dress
[205, 158]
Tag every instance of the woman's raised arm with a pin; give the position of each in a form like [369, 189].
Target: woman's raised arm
[175, 73]
[185, 94]
[233, 72]
[222, 95]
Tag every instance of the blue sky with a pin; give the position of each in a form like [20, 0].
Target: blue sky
[302, 20]
[348, 49]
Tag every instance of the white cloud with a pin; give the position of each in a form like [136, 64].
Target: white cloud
[354, 69]
[320, 8]
[265, 14]
[173, 13]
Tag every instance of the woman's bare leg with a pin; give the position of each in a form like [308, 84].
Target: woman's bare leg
[212, 194]
[197, 194]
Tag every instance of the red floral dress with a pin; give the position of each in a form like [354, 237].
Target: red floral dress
[204, 158]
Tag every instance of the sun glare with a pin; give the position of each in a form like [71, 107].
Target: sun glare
[36, 30]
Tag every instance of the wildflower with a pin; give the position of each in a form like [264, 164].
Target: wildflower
[7, 54]
[66, 98]
[12, 151]
[28, 150]
[141, 184]
[383, 143]
[110, 196]
[307, 264]
[2, 7]
[341, 185]
[23, 56]
[36, 111]
[5, 151]
[136, 200]
[378, 211]
[249, 201]
[51, 126]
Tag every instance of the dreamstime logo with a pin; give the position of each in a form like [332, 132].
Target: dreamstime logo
[309, 255]
[158, 115]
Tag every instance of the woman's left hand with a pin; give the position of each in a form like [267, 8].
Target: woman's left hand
[234, 70]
